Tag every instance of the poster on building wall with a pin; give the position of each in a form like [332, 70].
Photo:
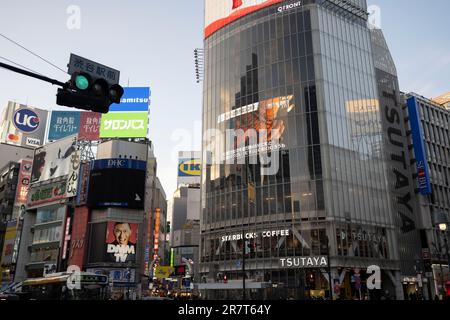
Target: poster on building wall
[89, 126]
[63, 124]
[48, 193]
[121, 238]
[53, 160]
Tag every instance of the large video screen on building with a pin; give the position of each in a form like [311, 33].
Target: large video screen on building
[117, 183]
[219, 13]
[121, 240]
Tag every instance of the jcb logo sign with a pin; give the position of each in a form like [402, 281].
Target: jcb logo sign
[26, 120]
[189, 168]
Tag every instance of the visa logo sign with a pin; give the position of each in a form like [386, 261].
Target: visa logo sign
[189, 168]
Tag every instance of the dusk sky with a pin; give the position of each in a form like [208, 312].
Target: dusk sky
[151, 42]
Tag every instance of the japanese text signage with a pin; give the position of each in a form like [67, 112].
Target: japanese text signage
[96, 70]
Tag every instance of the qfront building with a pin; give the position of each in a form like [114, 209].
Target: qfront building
[295, 192]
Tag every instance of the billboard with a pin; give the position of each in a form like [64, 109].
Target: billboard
[24, 181]
[117, 183]
[219, 13]
[121, 238]
[423, 171]
[124, 125]
[135, 99]
[53, 160]
[89, 126]
[67, 123]
[63, 124]
[189, 167]
[45, 194]
[23, 125]
[129, 119]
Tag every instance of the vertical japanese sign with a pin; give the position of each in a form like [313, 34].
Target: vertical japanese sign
[74, 173]
[23, 182]
[89, 126]
[156, 233]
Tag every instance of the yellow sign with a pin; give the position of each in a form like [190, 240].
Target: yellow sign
[163, 272]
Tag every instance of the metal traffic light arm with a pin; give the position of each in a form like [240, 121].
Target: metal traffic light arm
[33, 75]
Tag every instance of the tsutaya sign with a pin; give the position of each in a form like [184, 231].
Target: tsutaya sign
[254, 235]
[304, 262]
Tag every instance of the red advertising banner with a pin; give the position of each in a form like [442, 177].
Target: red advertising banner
[78, 245]
[89, 126]
[121, 240]
[24, 182]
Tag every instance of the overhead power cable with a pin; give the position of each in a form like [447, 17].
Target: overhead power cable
[34, 54]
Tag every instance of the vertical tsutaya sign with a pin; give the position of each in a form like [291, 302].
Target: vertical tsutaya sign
[219, 13]
[63, 124]
[23, 125]
[129, 119]
[419, 147]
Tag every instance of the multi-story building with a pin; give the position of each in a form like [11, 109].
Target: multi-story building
[185, 222]
[429, 124]
[295, 153]
[443, 100]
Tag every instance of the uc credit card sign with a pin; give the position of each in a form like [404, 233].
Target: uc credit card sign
[134, 99]
[189, 168]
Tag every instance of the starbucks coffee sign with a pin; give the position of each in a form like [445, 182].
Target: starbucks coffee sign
[303, 262]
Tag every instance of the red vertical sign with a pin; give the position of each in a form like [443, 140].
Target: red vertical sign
[89, 126]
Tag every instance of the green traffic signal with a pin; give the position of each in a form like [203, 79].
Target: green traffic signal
[81, 82]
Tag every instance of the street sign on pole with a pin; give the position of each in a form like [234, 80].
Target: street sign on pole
[94, 69]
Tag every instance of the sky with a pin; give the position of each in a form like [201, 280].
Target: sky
[152, 42]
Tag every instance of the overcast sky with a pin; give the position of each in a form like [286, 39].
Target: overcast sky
[151, 42]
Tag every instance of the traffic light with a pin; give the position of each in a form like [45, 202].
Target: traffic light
[85, 92]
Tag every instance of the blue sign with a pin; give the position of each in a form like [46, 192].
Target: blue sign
[133, 99]
[118, 164]
[419, 147]
[63, 124]
[26, 120]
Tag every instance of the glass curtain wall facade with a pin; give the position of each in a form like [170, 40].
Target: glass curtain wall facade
[306, 70]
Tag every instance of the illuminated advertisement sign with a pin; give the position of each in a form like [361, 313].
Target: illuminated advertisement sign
[23, 183]
[423, 178]
[303, 262]
[53, 160]
[189, 168]
[134, 99]
[124, 125]
[47, 194]
[23, 125]
[259, 127]
[121, 240]
[107, 175]
[254, 235]
[63, 124]
[219, 13]
[156, 233]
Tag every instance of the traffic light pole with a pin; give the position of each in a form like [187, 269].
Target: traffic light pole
[32, 75]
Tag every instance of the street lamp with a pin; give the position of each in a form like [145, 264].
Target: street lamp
[441, 220]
